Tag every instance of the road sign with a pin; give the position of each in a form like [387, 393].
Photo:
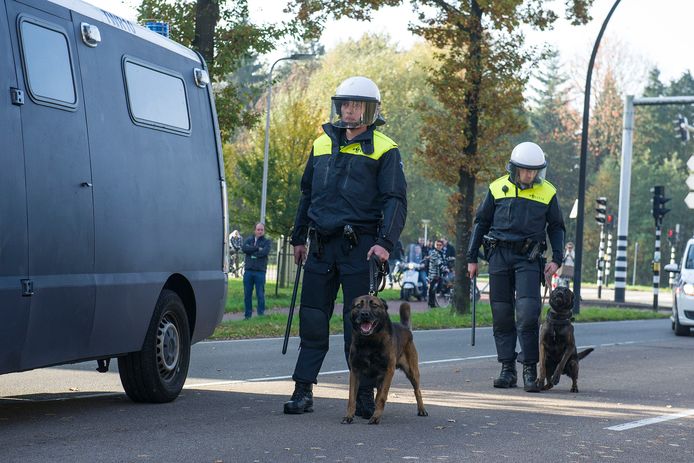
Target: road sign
[690, 163]
[689, 200]
[690, 181]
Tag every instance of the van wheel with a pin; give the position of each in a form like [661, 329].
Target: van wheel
[156, 374]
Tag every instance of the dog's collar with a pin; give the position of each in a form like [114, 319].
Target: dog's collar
[557, 319]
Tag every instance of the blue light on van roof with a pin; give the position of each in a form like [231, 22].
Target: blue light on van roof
[158, 27]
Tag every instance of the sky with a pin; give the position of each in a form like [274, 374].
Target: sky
[655, 36]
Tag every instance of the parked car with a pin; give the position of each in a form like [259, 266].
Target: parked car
[683, 293]
[113, 241]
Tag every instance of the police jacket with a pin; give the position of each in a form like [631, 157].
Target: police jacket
[511, 214]
[256, 253]
[359, 183]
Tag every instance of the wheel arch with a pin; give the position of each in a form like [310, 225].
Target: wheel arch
[181, 286]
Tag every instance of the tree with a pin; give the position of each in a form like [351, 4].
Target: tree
[478, 85]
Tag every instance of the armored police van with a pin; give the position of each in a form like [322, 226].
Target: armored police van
[112, 196]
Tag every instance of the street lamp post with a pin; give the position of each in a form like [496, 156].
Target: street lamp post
[263, 198]
[578, 262]
[425, 222]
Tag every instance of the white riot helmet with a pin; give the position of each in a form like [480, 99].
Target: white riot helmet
[357, 102]
[527, 155]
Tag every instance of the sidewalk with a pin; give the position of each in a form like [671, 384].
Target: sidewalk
[633, 300]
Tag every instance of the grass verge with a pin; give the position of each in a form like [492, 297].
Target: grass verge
[273, 325]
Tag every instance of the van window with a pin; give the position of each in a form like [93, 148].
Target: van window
[689, 264]
[155, 97]
[47, 65]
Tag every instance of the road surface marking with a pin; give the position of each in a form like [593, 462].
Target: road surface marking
[648, 421]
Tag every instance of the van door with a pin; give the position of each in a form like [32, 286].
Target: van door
[60, 216]
[14, 309]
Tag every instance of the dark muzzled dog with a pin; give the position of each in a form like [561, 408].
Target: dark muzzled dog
[558, 352]
[378, 348]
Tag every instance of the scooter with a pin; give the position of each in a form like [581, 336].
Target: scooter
[411, 286]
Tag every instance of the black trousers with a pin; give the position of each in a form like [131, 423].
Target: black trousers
[514, 293]
[331, 264]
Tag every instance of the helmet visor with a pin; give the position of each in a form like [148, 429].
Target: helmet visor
[352, 113]
[524, 177]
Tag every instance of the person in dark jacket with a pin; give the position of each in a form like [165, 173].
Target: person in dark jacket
[352, 207]
[256, 248]
[520, 210]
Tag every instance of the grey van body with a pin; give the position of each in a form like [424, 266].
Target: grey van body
[112, 195]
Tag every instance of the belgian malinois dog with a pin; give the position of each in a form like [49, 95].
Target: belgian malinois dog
[378, 348]
[558, 354]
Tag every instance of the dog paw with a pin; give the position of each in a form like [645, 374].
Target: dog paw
[422, 412]
[375, 420]
[574, 389]
[347, 420]
[555, 379]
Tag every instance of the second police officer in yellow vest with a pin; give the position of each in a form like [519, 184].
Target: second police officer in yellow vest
[520, 210]
[353, 206]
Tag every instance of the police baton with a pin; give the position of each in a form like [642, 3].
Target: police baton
[291, 307]
[474, 307]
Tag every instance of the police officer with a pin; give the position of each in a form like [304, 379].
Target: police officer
[352, 206]
[512, 223]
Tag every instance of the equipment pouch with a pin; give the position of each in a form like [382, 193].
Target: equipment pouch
[488, 245]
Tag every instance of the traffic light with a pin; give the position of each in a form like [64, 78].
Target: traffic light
[681, 128]
[601, 209]
[609, 222]
[659, 201]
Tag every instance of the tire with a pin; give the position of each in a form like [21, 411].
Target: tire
[407, 294]
[679, 329]
[443, 299]
[156, 374]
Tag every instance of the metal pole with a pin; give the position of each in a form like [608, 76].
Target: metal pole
[601, 259]
[620, 270]
[582, 169]
[263, 198]
[636, 256]
[608, 259]
[266, 152]
[656, 265]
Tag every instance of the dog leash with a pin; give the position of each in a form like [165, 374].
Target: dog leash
[377, 275]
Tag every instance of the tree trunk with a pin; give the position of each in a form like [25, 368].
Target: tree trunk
[206, 18]
[466, 182]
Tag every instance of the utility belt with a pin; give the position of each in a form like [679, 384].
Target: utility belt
[530, 248]
[349, 233]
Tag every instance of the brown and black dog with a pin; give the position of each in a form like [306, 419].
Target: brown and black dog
[378, 348]
[558, 352]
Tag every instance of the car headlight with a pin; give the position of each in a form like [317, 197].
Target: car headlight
[410, 266]
[688, 289]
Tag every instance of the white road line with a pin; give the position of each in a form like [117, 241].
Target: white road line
[647, 421]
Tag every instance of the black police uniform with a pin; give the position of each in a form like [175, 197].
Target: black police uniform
[517, 222]
[359, 183]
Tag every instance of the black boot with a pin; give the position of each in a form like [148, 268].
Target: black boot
[301, 401]
[365, 403]
[508, 377]
[530, 378]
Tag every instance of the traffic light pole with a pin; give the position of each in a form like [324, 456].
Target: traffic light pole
[656, 265]
[601, 259]
[620, 272]
[608, 259]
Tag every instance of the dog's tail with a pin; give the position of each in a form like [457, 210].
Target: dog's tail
[405, 315]
[585, 353]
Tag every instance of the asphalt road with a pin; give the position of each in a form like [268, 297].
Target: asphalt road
[231, 408]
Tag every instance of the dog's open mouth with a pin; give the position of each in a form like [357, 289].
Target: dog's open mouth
[366, 328]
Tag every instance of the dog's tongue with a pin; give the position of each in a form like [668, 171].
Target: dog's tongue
[366, 327]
